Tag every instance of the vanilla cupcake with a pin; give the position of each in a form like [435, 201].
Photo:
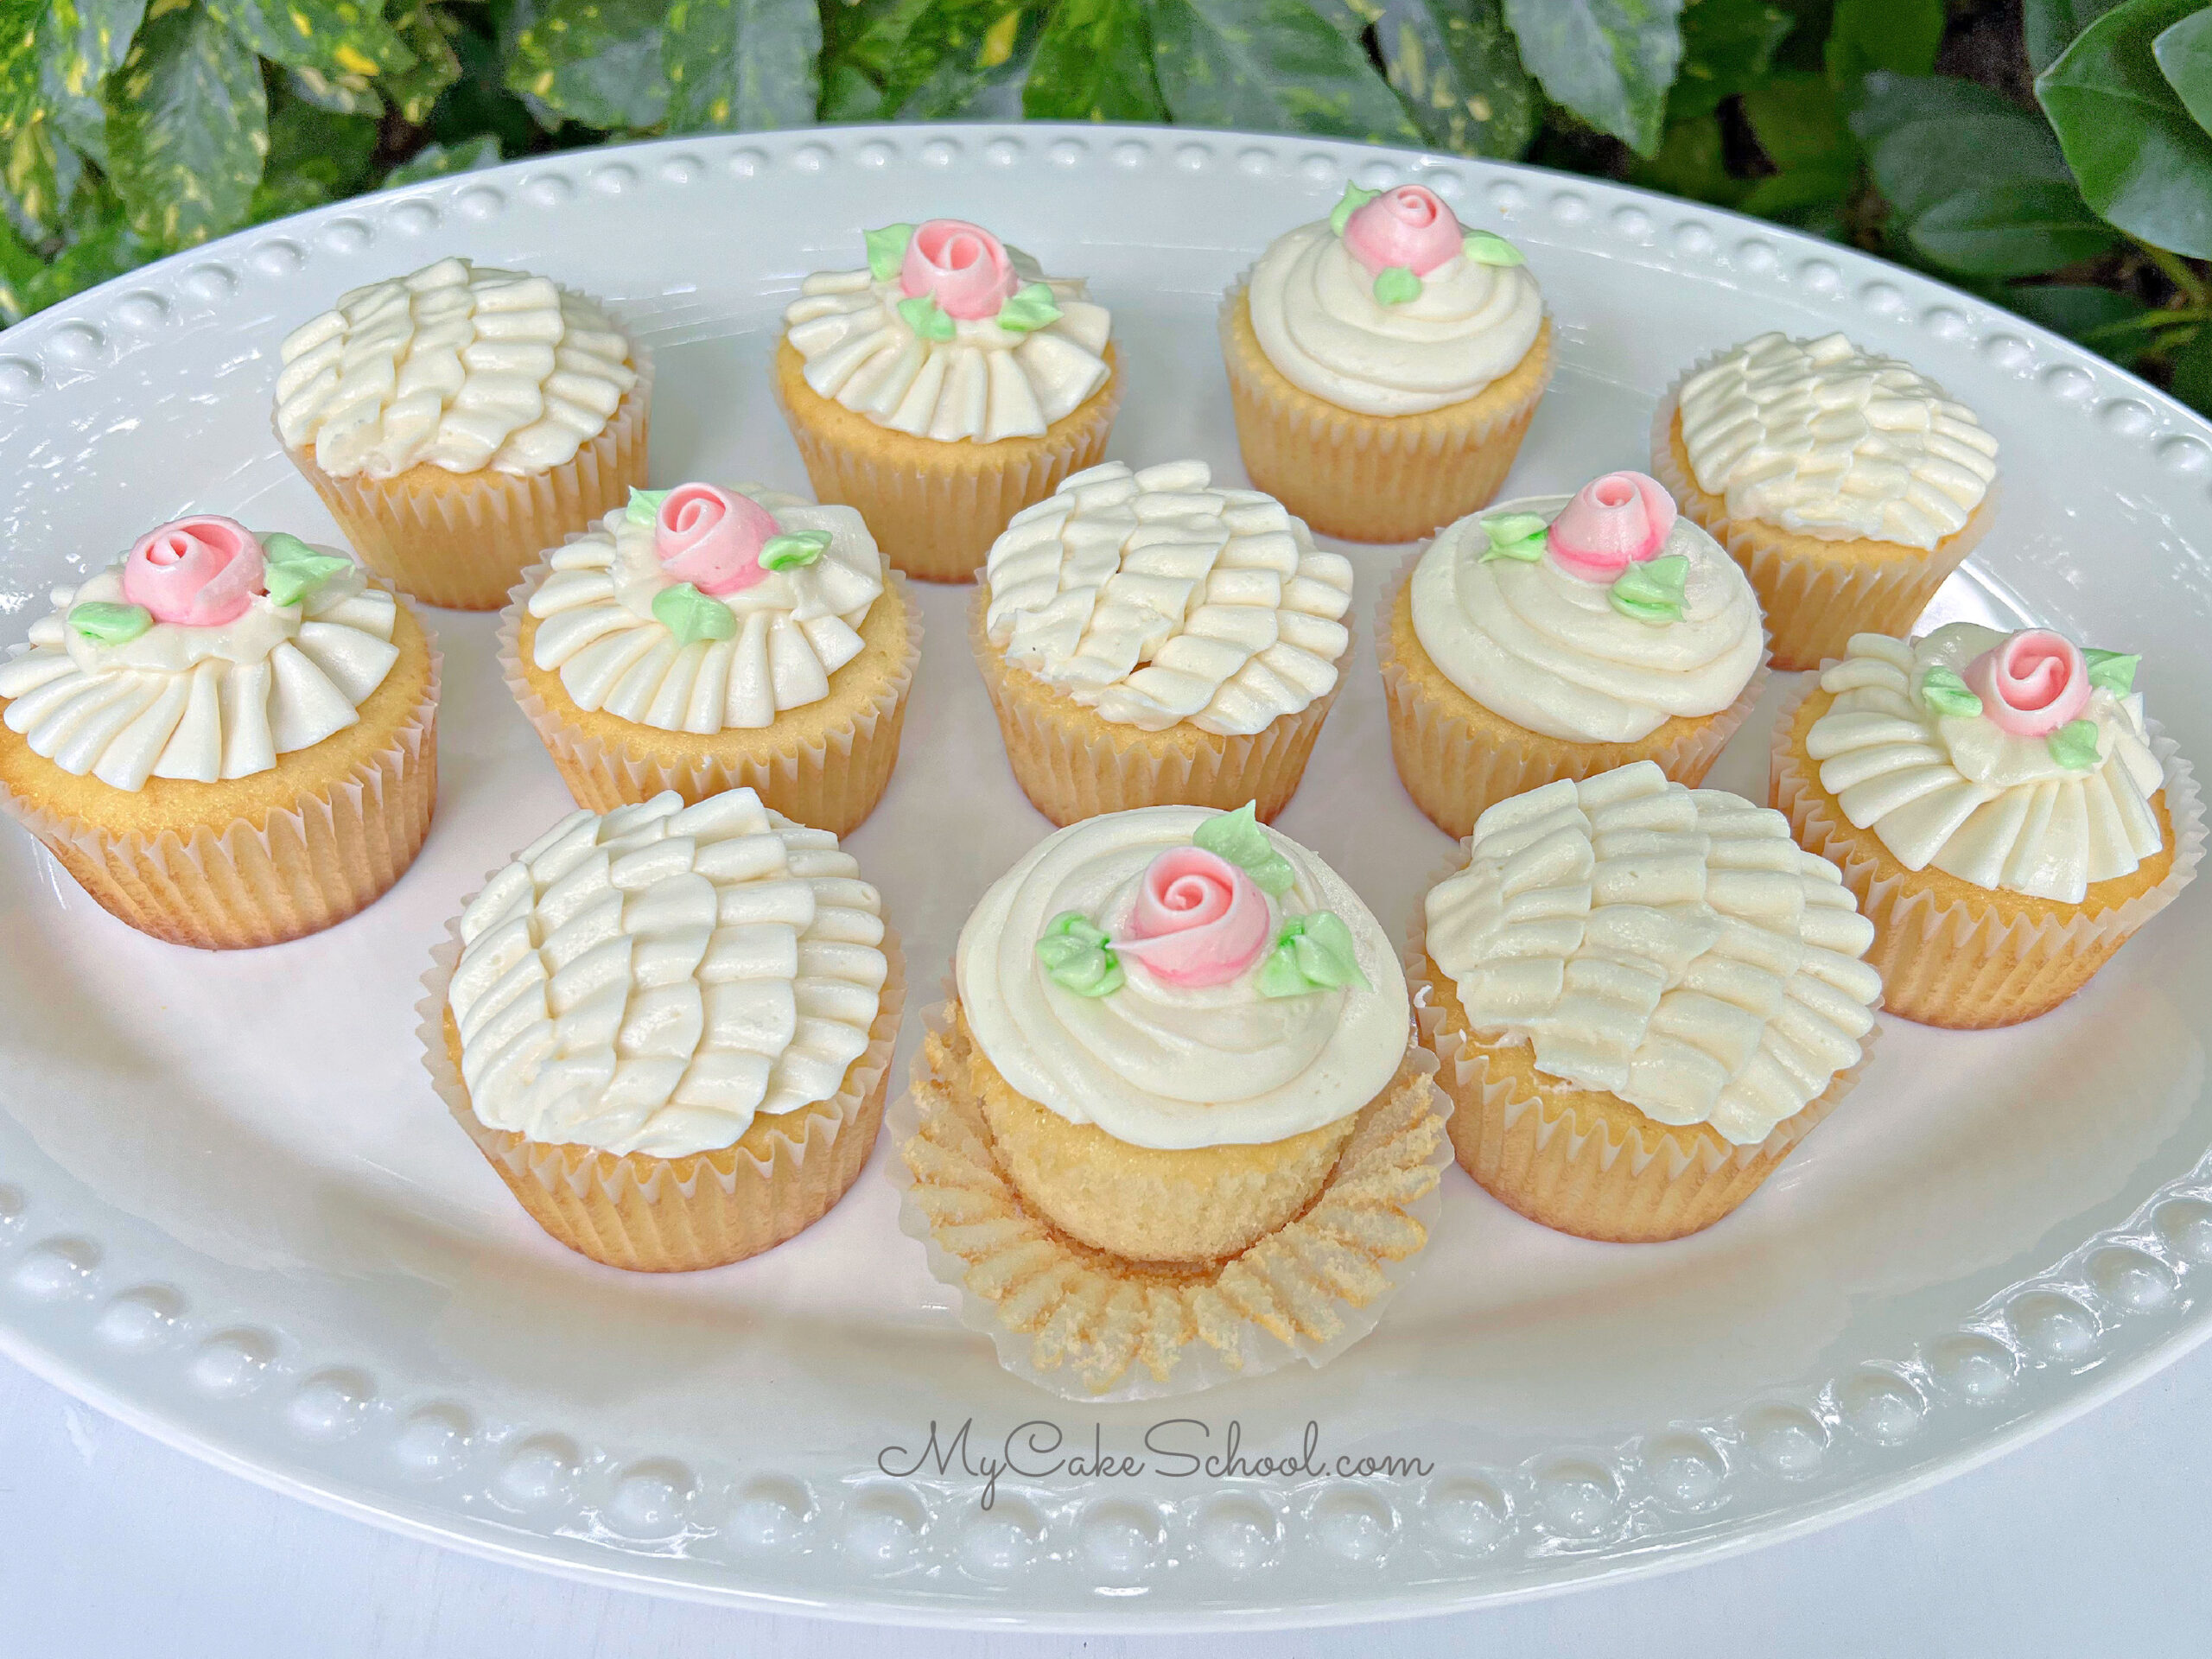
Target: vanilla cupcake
[1560, 637]
[227, 740]
[703, 638]
[2004, 810]
[1848, 485]
[945, 388]
[1173, 1114]
[1383, 364]
[667, 1029]
[1146, 639]
[458, 421]
[1642, 997]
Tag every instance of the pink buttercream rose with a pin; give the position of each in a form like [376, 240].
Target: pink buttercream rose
[200, 572]
[2032, 683]
[962, 266]
[1613, 522]
[1199, 920]
[712, 537]
[1408, 226]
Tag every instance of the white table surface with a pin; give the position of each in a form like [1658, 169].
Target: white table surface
[2095, 1541]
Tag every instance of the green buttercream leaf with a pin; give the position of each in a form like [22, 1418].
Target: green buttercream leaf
[1943, 691]
[926, 317]
[2113, 670]
[1395, 284]
[645, 506]
[2074, 745]
[1237, 837]
[1355, 199]
[1075, 955]
[690, 614]
[1489, 248]
[1514, 536]
[107, 624]
[1312, 953]
[1651, 589]
[887, 250]
[793, 551]
[291, 570]
[1028, 308]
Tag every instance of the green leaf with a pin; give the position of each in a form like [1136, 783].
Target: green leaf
[1237, 837]
[2141, 159]
[1728, 47]
[644, 505]
[1076, 955]
[2074, 745]
[1397, 284]
[1898, 36]
[2192, 375]
[1650, 590]
[1028, 308]
[691, 615]
[740, 65]
[105, 623]
[1799, 123]
[1455, 65]
[2051, 25]
[1888, 101]
[291, 570]
[794, 550]
[951, 51]
[1946, 694]
[436, 161]
[20, 92]
[429, 33]
[1611, 62]
[2011, 230]
[2185, 56]
[1692, 161]
[187, 129]
[2115, 670]
[1489, 248]
[19, 268]
[38, 171]
[1312, 953]
[480, 102]
[887, 250]
[1094, 63]
[336, 37]
[596, 62]
[98, 254]
[79, 43]
[848, 94]
[1518, 535]
[926, 318]
[339, 94]
[2082, 311]
[1269, 66]
[1920, 164]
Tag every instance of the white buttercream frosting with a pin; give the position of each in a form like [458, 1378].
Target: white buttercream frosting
[795, 628]
[458, 366]
[653, 979]
[1545, 649]
[1960, 795]
[1158, 1066]
[1154, 598]
[1315, 310]
[1672, 946]
[1821, 438]
[985, 383]
[201, 703]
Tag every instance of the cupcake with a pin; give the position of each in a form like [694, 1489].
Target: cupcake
[1384, 364]
[460, 420]
[1146, 639]
[703, 638]
[1172, 1120]
[1999, 805]
[227, 739]
[1642, 997]
[667, 1028]
[1848, 486]
[945, 388]
[1560, 637]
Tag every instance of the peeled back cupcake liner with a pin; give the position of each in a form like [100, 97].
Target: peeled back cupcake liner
[936, 508]
[1374, 478]
[832, 782]
[314, 861]
[1997, 960]
[460, 539]
[1086, 1325]
[677, 1215]
[1578, 1172]
[1072, 765]
[1456, 771]
[1816, 593]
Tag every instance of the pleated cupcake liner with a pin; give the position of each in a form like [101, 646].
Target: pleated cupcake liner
[1071, 769]
[1455, 771]
[1575, 1171]
[1085, 1325]
[1371, 478]
[460, 539]
[1815, 595]
[331, 851]
[1996, 960]
[645, 1214]
[831, 783]
[936, 508]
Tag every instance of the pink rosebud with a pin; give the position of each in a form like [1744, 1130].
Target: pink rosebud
[200, 572]
[1613, 522]
[1408, 226]
[962, 266]
[1198, 921]
[2032, 683]
[712, 538]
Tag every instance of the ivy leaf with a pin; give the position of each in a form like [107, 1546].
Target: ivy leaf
[2141, 159]
[2074, 745]
[2115, 670]
[1397, 284]
[1611, 62]
[291, 570]
[1728, 47]
[740, 65]
[1076, 955]
[1944, 692]
[2022, 229]
[336, 37]
[691, 615]
[1650, 590]
[1899, 36]
[886, 249]
[644, 505]
[79, 43]
[186, 129]
[436, 161]
[794, 550]
[1094, 63]
[1237, 837]
[1028, 308]
[926, 318]
[2184, 56]
[2051, 25]
[1518, 535]
[1269, 66]
[1489, 248]
[107, 623]
[596, 62]
[1354, 198]
[1455, 64]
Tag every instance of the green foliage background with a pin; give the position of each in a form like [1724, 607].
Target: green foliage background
[2053, 155]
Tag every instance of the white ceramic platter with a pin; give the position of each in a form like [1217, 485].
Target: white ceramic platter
[232, 1212]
